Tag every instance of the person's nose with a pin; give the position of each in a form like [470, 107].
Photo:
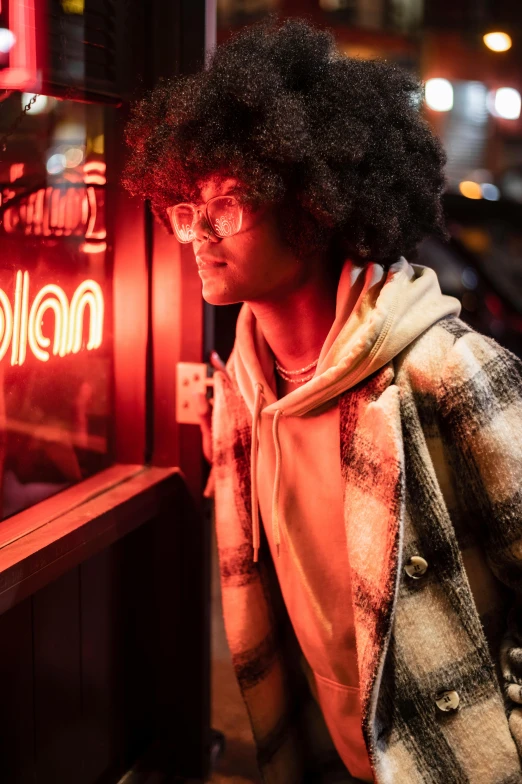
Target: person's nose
[201, 228]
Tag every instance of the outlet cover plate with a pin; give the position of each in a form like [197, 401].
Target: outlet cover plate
[191, 377]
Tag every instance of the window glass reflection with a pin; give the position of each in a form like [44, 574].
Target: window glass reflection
[55, 308]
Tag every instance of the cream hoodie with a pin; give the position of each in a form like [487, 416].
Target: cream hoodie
[295, 470]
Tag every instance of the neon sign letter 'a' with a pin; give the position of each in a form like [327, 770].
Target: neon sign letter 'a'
[21, 325]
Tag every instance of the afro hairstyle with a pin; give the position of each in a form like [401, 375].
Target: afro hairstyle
[337, 143]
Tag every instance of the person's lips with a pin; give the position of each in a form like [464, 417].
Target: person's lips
[208, 262]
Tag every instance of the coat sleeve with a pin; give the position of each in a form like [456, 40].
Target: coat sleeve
[218, 410]
[481, 412]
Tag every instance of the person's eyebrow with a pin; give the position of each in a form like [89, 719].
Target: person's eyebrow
[233, 188]
[230, 189]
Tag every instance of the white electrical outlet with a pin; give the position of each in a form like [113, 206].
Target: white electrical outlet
[191, 377]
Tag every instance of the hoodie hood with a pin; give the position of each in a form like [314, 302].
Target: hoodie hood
[378, 313]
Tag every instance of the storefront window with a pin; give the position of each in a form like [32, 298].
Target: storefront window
[55, 300]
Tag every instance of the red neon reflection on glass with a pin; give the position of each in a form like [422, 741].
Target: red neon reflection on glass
[75, 210]
[16, 170]
[21, 326]
[22, 72]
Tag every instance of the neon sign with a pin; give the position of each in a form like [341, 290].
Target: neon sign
[65, 210]
[21, 325]
[23, 71]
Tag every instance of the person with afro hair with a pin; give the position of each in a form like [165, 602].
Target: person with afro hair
[365, 442]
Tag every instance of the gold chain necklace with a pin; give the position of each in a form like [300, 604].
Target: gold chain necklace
[286, 375]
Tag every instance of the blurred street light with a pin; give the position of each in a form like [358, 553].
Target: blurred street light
[56, 163]
[73, 6]
[490, 191]
[439, 95]
[7, 40]
[471, 190]
[497, 42]
[506, 103]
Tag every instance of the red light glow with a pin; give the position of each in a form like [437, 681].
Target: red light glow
[93, 247]
[21, 326]
[22, 72]
[494, 305]
[73, 210]
[94, 173]
[16, 170]
[91, 233]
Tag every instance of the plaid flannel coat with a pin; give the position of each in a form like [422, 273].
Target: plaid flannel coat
[431, 456]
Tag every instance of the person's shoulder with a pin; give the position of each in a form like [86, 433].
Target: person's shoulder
[472, 351]
[421, 363]
[451, 353]
[479, 377]
[442, 335]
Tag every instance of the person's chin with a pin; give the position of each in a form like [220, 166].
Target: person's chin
[219, 298]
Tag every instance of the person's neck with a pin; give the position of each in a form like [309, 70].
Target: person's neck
[295, 327]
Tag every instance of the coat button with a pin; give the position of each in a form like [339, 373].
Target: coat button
[447, 701]
[416, 567]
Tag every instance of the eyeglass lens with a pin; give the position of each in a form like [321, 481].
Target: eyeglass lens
[182, 217]
[224, 214]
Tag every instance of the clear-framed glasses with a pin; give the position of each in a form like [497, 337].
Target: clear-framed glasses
[224, 215]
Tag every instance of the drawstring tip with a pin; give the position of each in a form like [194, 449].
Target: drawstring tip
[277, 549]
[256, 554]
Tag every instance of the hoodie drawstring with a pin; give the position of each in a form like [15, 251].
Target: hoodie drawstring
[275, 496]
[253, 475]
[253, 470]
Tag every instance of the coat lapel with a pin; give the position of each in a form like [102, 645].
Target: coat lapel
[372, 464]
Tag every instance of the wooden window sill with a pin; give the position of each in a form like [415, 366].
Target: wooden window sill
[43, 542]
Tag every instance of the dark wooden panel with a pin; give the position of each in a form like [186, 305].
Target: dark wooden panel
[121, 641]
[138, 630]
[182, 574]
[100, 661]
[57, 682]
[16, 704]
[165, 632]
